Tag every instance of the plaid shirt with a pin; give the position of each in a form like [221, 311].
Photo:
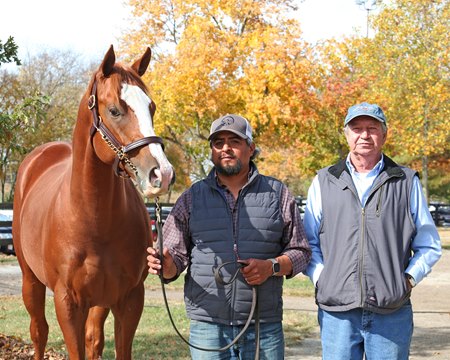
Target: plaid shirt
[177, 236]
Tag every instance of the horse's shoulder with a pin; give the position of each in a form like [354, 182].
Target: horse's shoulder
[53, 150]
[48, 154]
[41, 159]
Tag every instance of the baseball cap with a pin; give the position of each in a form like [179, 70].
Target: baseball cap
[365, 109]
[234, 123]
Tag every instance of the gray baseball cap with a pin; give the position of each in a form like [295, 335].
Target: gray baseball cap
[365, 109]
[234, 123]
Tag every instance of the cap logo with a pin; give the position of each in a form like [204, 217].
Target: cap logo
[227, 121]
[234, 123]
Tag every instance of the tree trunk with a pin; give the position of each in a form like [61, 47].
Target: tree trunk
[425, 177]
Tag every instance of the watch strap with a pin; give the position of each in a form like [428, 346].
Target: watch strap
[275, 266]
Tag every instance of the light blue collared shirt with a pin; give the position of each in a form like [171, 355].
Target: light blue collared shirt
[426, 245]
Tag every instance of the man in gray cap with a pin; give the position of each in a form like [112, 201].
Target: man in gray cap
[373, 239]
[247, 221]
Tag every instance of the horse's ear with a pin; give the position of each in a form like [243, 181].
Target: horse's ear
[108, 62]
[140, 66]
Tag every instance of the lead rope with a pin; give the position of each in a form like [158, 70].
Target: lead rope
[255, 303]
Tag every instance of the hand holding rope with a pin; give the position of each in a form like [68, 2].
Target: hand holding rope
[254, 308]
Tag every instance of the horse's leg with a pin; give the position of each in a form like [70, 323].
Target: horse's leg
[95, 335]
[33, 294]
[126, 319]
[72, 319]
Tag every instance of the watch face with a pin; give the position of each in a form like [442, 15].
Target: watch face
[276, 267]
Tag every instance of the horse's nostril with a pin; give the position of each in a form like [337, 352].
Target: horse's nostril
[173, 178]
[155, 178]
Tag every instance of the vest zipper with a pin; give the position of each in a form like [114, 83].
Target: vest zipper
[361, 254]
[236, 253]
[235, 230]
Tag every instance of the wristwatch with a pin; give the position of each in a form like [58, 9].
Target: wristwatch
[411, 280]
[275, 266]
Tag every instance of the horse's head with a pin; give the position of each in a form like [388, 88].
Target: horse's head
[123, 117]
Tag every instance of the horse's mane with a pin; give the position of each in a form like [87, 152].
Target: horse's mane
[119, 74]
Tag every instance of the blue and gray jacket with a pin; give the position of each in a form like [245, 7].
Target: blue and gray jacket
[257, 235]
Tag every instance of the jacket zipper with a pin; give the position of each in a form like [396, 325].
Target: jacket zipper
[378, 208]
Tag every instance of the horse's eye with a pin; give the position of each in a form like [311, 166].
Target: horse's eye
[114, 112]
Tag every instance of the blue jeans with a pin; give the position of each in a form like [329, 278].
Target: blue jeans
[349, 335]
[213, 335]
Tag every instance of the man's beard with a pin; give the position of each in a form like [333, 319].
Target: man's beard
[229, 170]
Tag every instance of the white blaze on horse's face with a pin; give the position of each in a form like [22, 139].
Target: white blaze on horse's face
[161, 177]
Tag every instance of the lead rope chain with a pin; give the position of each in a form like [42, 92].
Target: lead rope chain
[120, 153]
[123, 157]
[254, 292]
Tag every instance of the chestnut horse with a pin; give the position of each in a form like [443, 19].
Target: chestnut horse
[79, 228]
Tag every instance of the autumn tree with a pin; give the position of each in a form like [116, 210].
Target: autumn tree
[404, 69]
[214, 58]
[62, 76]
[8, 52]
[247, 57]
[336, 87]
[17, 117]
[38, 103]
[408, 62]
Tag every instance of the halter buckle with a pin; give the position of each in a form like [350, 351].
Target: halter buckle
[91, 102]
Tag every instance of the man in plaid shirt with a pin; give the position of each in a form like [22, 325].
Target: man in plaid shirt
[246, 220]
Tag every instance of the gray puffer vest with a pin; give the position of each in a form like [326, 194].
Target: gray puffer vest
[365, 249]
[258, 235]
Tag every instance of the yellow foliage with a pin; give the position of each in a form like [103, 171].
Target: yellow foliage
[248, 57]
[218, 57]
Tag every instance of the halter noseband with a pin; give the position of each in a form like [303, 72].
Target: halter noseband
[120, 150]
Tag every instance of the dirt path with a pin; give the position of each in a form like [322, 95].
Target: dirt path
[431, 305]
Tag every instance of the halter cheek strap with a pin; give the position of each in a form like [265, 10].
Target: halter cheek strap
[120, 150]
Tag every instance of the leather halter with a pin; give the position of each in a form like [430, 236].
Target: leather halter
[120, 150]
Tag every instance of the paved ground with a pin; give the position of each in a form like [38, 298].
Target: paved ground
[431, 304]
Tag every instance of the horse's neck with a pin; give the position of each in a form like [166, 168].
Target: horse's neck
[92, 182]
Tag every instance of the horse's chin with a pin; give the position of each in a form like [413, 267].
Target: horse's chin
[152, 192]
[157, 182]
[153, 189]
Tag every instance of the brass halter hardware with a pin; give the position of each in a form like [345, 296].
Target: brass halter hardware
[120, 150]
[121, 156]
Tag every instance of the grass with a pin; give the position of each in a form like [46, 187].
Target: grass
[8, 259]
[445, 238]
[155, 337]
[298, 286]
